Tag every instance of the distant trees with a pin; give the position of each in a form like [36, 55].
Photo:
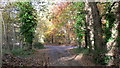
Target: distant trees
[10, 27]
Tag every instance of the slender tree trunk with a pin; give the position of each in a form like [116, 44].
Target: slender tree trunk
[0, 38]
[14, 39]
[52, 39]
[5, 35]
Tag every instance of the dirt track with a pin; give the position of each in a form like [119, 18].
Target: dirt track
[60, 56]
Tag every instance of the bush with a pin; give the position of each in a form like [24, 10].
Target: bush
[22, 52]
[38, 45]
[103, 59]
[81, 50]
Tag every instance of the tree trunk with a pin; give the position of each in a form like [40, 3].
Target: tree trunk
[98, 42]
[89, 28]
[14, 39]
[116, 48]
[118, 21]
[1, 20]
[4, 35]
[52, 39]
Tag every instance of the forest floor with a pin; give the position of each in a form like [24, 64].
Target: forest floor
[54, 56]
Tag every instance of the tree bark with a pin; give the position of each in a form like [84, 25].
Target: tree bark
[89, 28]
[118, 20]
[98, 42]
[1, 20]
[116, 49]
[4, 36]
[14, 37]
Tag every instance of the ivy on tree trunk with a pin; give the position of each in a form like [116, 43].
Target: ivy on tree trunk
[28, 21]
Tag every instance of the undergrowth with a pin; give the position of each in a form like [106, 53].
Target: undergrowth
[81, 50]
[22, 52]
[103, 60]
[38, 45]
[99, 58]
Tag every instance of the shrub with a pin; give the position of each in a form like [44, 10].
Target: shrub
[103, 59]
[81, 50]
[38, 45]
[22, 52]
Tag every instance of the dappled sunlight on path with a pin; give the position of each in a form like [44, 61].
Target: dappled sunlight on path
[60, 56]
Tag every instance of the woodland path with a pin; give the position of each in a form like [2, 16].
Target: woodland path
[60, 56]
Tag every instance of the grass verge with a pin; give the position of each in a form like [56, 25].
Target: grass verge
[22, 52]
[81, 50]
